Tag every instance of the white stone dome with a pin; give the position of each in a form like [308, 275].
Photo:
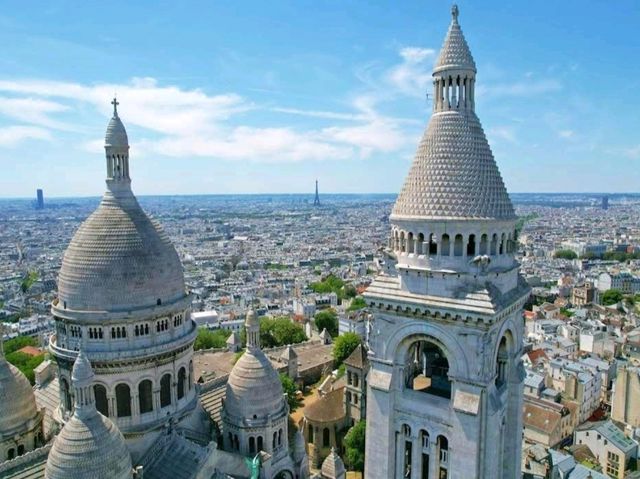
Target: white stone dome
[116, 135]
[90, 447]
[254, 390]
[17, 401]
[118, 260]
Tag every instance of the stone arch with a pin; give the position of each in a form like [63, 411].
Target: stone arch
[123, 400]
[326, 437]
[426, 368]
[458, 245]
[66, 394]
[493, 249]
[484, 244]
[165, 390]
[145, 396]
[410, 243]
[505, 350]
[420, 244]
[471, 245]
[433, 245]
[445, 245]
[182, 378]
[100, 395]
[442, 445]
[398, 343]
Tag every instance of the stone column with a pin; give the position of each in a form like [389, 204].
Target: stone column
[416, 454]
[399, 454]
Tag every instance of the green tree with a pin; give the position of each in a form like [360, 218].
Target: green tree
[28, 281]
[327, 319]
[350, 291]
[354, 443]
[25, 363]
[357, 303]
[208, 339]
[565, 254]
[343, 346]
[20, 342]
[291, 391]
[277, 332]
[611, 296]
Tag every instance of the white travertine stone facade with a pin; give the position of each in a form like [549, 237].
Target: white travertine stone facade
[20, 420]
[122, 299]
[255, 412]
[444, 390]
[89, 445]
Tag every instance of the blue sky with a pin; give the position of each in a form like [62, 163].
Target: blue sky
[257, 97]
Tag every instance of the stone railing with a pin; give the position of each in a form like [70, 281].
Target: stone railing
[27, 458]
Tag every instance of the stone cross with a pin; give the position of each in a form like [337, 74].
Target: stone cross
[115, 104]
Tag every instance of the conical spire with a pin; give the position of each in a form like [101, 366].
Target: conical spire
[455, 53]
[116, 135]
[82, 377]
[454, 175]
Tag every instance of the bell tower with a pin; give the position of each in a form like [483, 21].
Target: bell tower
[444, 395]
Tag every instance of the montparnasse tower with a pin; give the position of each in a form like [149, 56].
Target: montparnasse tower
[122, 300]
[445, 385]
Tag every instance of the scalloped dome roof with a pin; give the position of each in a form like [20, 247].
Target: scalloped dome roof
[254, 387]
[455, 53]
[116, 135]
[454, 174]
[119, 259]
[17, 401]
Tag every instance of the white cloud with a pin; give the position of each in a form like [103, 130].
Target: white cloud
[518, 89]
[13, 135]
[566, 134]
[413, 75]
[180, 123]
[503, 133]
[632, 153]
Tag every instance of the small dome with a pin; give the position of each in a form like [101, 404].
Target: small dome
[119, 259]
[455, 53]
[333, 467]
[116, 134]
[17, 401]
[254, 389]
[90, 447]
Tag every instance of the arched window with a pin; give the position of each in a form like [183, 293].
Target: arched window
[502, 363]
[424, 458]
[182, 375]
[348, 397]
[146, 329]
[483, 244]
[165, 390]
[433, 246]
[427, 369]
[446, 246]
[260, 445]
[102, 404]
[326, 437]
[118, 333]
[502, 241]
[145, 395]
[190, 374]
[11, 453]
[457, 245]
[310, 433]
[494, 245]
[471, 245]
[123, 400]
[403, 244]
[252, 445]
[275, 437]
[20, 449]
[410, 243]
[279, 437]
[420, 244]
[66, 395]
[443, 456]
[408, 451]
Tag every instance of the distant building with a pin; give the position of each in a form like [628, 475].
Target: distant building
[624, 282]
[610, 446]
[39, 199]
[605, 202]
[582, 295]
[626, 397]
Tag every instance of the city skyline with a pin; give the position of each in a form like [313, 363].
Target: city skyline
[199, 124]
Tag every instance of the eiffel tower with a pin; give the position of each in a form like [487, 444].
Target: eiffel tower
[316, 201]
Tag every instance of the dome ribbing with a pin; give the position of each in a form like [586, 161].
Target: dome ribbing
[17, 401]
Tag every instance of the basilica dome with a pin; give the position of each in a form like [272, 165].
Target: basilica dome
[119, 259]
[254, 389]
[89, 445]
[17, 401]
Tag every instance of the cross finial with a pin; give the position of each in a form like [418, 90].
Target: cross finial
[115, 104]
[454, 12]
